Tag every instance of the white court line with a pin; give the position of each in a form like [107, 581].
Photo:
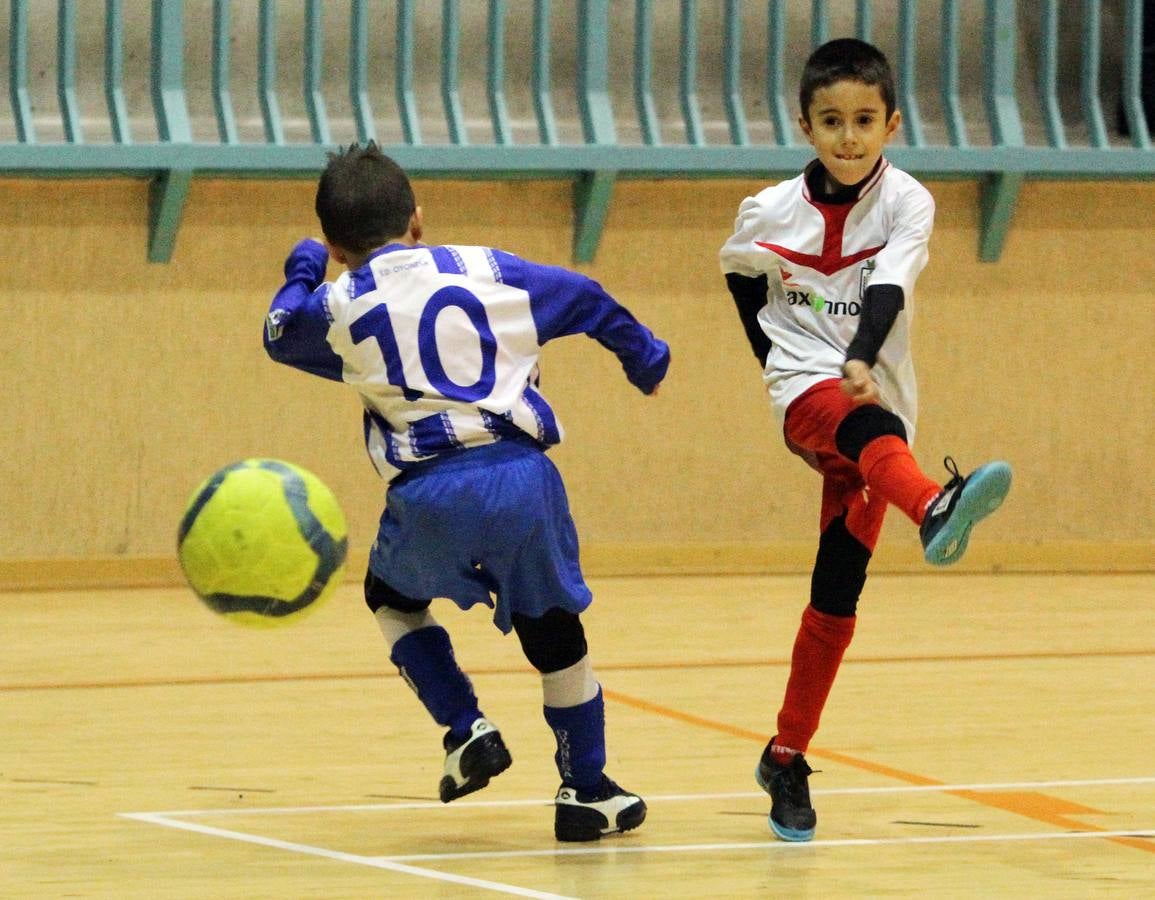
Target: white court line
[399, 863]
[375, 862]
[680, 798]
[775, 844]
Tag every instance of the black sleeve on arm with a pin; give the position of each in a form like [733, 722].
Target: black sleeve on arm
[880, 307]
[750, 296]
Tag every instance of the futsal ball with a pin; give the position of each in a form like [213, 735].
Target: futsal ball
[263, 542]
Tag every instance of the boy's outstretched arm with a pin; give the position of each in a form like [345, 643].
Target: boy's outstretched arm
[564, 302]
[644, 357]
[297, 325]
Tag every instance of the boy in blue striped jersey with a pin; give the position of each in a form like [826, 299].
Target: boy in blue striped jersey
[442, 345]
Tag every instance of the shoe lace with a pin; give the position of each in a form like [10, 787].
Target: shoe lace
[605, 789]
[793, 781]
[952, 467]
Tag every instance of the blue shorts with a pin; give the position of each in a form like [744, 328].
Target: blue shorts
[485, 525]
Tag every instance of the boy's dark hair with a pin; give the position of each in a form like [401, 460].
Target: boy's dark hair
[363, 199]
[846, 59]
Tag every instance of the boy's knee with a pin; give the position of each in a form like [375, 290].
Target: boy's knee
[553, 642]
[864, 424]
[839, 571]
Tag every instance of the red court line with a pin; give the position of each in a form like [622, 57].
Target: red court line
[274, 678]
[1040, 807]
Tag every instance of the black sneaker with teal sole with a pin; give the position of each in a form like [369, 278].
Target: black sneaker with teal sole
[590, 815]
[792, 817]
[963, 502]
[470, 763]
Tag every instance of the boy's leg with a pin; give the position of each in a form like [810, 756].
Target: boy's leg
[945, 515]
[851, 522]
[866, 464]
[875, 439]
[826, 421]
[423, 653]
[588, 804]
[826, 630]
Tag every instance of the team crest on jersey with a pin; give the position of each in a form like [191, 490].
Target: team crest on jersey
[864, 278]
[275, 323]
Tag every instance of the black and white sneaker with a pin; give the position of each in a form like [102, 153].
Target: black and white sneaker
[469, 764]
[792, 817]
[963, 502]
[587, 815]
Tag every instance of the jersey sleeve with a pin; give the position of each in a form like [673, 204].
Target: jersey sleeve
[743, 263]
[564, 302]
[297, 324]
[740, 255]
[905, 255]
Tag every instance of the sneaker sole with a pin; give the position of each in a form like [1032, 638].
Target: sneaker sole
[793, 835]
[575, 824]
[477, 769]
[984, 492]
[790, 834]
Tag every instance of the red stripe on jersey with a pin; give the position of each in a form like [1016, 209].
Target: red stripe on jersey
[826, 263]
[834, 215]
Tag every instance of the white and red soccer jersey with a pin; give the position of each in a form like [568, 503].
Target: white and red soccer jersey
[819, 258]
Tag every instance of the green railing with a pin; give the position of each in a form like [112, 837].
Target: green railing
[589, 91]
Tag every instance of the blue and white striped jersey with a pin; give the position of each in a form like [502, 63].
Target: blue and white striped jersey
[442, 343]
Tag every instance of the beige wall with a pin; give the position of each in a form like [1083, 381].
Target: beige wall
[125, 383]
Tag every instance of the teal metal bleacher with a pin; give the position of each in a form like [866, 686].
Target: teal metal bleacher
[591, 91]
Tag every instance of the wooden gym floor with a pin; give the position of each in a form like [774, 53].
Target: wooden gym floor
[989, 736]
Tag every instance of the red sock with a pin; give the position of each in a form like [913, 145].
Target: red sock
[818, 649]
[889, 468]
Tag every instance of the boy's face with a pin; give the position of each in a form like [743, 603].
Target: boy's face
[848, 127]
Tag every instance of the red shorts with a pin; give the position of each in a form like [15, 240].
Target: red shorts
[811, 423]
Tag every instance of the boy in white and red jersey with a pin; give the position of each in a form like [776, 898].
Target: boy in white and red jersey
[441, 344]
[822, 268]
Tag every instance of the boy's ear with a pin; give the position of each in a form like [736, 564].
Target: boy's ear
[416, 224]
[337, 254]
[892, 123]
[805, 126]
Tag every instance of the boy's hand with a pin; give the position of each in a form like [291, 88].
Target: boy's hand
[858, 384]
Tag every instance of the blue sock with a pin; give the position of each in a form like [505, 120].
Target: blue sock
[581, 741]
[425, 659]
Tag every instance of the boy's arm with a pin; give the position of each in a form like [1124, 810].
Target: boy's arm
[897, 266]
[564, 302]
[750, 296]
[297, 325]
[881, 305]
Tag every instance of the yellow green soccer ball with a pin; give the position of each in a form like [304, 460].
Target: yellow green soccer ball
[263, 542]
